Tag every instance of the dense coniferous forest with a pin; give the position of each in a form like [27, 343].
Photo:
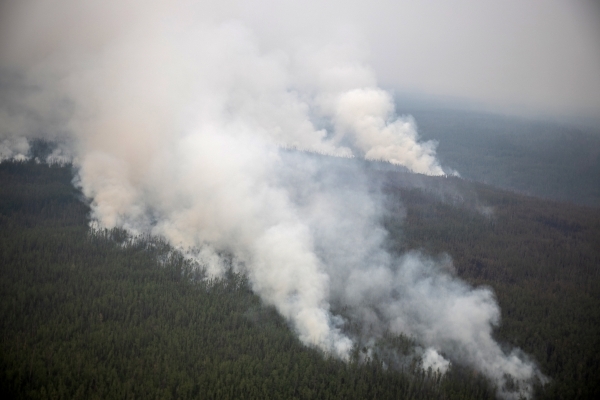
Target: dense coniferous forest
[542, 259]
[89, 314]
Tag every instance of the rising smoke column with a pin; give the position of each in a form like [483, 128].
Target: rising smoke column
[178, 122]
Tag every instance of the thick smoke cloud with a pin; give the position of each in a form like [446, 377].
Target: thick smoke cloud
[182, 126]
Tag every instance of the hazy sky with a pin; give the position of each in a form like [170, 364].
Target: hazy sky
[538, 56]
[514, 56]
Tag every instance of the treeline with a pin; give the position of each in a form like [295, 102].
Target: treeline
[92, 315]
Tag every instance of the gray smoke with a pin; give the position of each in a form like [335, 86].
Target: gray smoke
[180, 126]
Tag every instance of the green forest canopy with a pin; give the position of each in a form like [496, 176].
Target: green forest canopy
[91, 315]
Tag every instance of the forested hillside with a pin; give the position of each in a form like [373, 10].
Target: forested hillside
[94, 315]
[541, 258]
[90, 316]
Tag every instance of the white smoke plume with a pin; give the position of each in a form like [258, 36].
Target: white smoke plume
[178, 122]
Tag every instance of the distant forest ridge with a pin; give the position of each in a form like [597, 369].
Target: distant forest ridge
[545, 159]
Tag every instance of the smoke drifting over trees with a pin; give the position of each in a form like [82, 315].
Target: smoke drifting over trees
[178, 123]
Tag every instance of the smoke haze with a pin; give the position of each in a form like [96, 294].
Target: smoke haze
[186, 123]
